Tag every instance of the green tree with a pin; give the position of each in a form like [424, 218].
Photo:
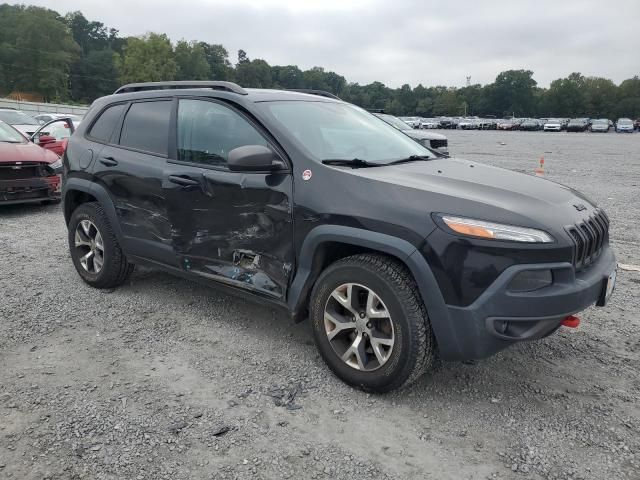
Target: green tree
[149, 58]
[448, 103]
[566, 97]
[36, 51]
[513, 92]
[191, 61]
[218, 60]
[629, 98]
[601, 96]
[94, 73]
[242, 57]
[288, 76]
[254, 74]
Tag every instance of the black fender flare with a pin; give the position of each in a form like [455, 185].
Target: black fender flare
[100, 194]
[401, 249]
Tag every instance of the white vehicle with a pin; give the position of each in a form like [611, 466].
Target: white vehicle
[47, 117]
[429, 123]
[600, 125]
[413, 122]
[553, 125]
[22, 122]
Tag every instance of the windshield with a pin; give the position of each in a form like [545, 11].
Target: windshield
[16, 118]
[340, 131]
[10, 135]
[394, 121]
[625, 121]
[601, 122]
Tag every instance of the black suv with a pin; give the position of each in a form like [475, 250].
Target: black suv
[394, 253]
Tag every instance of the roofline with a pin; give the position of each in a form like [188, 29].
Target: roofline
[182, 84]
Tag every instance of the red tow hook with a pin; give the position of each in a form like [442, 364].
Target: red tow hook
[571, 321]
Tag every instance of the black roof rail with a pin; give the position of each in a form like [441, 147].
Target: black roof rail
[311, 91]
[215, 85]
[376, 110]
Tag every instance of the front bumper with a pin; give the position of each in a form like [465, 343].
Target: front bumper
[499, 317]
[30, 190]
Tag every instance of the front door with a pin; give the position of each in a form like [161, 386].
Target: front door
[231, 227]
[60, 130]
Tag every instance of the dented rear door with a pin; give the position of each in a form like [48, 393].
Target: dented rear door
[231, 227]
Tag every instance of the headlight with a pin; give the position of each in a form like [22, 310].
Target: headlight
[495, 231]
[57, 165]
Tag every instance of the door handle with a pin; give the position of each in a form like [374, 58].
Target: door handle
[183, 180]
[108, 161]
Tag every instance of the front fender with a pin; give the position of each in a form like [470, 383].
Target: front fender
[401, 249]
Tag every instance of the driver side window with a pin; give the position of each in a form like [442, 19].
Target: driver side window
[208, 131]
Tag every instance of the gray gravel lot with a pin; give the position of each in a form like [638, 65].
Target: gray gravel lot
[164, 378]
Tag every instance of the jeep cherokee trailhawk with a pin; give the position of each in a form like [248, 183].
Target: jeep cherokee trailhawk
[394, 253]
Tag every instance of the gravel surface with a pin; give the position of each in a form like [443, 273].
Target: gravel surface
[166, 379]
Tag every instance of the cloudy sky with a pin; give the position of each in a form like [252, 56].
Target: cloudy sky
[398, 41]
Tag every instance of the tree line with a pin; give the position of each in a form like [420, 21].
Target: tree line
[72, 59]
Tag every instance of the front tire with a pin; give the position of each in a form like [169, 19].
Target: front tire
[370, 324]
[94, 248]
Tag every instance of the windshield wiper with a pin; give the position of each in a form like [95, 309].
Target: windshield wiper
[10, 141]
[412, 158]
[353, 163]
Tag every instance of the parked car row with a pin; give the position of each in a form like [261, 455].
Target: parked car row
[583, 124]
[435, 141]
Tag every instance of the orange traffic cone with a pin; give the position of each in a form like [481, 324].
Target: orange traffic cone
[539, 171]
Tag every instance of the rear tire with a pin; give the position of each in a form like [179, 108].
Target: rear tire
[94, 248]
[377, 345]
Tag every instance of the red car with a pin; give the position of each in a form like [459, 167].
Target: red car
[29, 173]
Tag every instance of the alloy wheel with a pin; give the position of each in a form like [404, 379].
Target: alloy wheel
[359, 327]
[89, 246]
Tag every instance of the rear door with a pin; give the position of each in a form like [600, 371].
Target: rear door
[228, 226]
[131, 167]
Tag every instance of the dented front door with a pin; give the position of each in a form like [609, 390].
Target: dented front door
[232, 227]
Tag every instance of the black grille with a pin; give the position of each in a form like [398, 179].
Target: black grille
[589, 237]
[21, 170]
[439, 143]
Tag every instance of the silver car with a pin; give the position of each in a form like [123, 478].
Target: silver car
[624, 125]
[600, 125]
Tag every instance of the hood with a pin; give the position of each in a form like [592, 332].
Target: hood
[27, 130]
[422, 135]
[25, 152]
[472, 189]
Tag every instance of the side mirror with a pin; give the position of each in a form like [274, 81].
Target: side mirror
[46, 139]
[253, 158]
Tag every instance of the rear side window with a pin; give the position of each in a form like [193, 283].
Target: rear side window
[103, 128]
[146, 127]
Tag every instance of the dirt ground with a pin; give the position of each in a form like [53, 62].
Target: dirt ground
[166, 379]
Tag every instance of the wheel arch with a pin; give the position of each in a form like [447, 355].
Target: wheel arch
[315, 252]
[78, 191]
